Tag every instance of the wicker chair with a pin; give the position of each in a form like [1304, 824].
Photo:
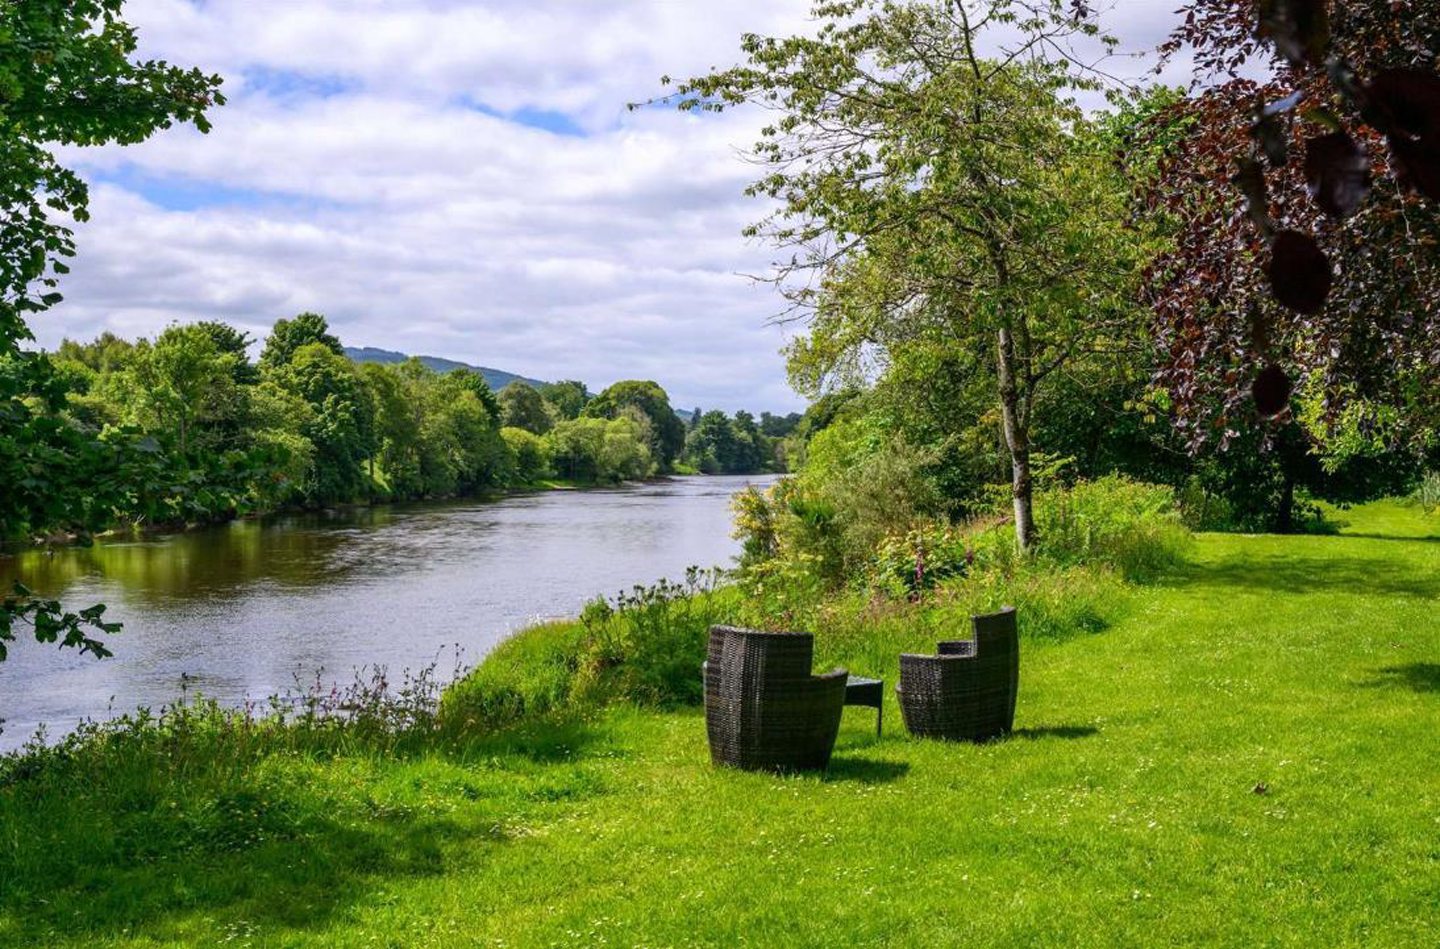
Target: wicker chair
[967, 691]
[764, 710]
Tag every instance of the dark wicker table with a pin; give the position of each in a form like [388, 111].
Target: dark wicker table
[867, 692]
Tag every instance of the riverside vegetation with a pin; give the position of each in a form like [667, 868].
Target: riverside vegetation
[1230, 747]
[185, 429]
[1224, 736]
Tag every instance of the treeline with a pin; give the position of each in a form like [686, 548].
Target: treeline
[185, 428]
[717, 444]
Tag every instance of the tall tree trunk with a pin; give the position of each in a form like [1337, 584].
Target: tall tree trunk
[1017, 440]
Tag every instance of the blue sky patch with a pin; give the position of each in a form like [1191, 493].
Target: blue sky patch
[174, 193]
[287, 84]
[556, 123]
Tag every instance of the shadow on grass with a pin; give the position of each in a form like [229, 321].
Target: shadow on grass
[1415, 676]
[1423, 539]
[179, 844]
[294, 881]
[865, 770]
[549, 740]
[1055, 731]
[1303, 574]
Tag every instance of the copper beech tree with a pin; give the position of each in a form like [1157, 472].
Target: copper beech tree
[1315, 271]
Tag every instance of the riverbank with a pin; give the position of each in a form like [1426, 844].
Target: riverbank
[1241, 756]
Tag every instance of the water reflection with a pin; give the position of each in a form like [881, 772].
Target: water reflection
[244, 609]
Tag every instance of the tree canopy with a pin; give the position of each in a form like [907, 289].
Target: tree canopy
[667, 432]
[1316, 271]
[68, 77]
[927, 193]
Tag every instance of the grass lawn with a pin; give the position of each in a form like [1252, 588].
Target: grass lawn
[1249, 756]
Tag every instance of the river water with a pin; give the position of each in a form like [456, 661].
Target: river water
[249, 609]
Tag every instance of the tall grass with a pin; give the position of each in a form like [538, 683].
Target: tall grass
[1130, 526]
[1428, 492]
[644, 646]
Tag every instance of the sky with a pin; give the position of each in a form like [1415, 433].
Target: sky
[460, 179]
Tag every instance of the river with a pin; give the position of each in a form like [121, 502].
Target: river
[249, 609]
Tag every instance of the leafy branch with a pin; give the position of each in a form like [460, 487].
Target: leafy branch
[52, 623]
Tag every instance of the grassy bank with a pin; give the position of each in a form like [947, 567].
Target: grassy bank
[1240, 753]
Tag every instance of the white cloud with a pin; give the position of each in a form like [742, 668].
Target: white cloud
[364, 168]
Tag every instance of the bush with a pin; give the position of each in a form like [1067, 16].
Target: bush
[646, 646]
[873, 483]
[909, 564]
[1133, 527]
[530, 674]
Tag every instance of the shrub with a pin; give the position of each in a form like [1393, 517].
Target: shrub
[647, 645]
[872, 483]
[911, 563]
[1112, 521]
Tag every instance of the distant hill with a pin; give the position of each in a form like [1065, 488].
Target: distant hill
[497, 379]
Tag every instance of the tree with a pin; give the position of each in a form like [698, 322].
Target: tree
[397, 429]
[711, 445]
[667, 431]
[719, 445]
[529, 452]
[1335, 168]
[184, 382]
[234, 343]
[778, 426]
[522, 406]
[575, 447]
[340, 425]
[625, 451]
[929, 194]
[465, 416]
[67, 78]
[287, 336]
[566, 398]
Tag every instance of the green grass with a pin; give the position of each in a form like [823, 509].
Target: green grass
[1246, 756]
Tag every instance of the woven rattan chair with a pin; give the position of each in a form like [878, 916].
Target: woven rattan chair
[967, 691]
[764, 710]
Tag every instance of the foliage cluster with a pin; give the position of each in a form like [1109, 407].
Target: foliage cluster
[184, 428]
[798, 545]
[717, 444]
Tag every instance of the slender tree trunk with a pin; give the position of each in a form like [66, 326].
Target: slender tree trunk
[1017, 440]
[1286, 517]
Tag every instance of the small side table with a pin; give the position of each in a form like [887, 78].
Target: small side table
[869, 693]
